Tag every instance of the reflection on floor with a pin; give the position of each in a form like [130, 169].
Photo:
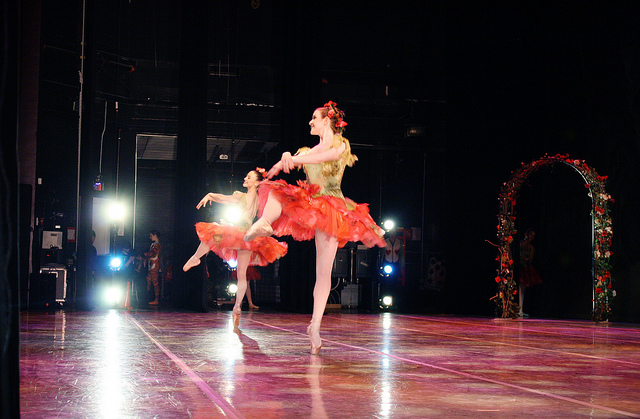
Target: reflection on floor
[144, 364]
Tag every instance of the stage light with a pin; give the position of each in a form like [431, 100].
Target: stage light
[387, 301]
[116, 211]
[233, 214]
[388, 224]
[112, 295]
[115, 263]
[386, 270]
[232, 289]
[232, 264]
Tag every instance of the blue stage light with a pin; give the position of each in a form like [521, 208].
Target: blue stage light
[115, 263]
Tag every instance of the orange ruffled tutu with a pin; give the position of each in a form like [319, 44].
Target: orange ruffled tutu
[529, 276]
[303, 214]
[226, 240]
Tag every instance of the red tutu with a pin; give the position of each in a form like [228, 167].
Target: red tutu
[303, 213]
[252, 274]
[529, 276]
[226, 240]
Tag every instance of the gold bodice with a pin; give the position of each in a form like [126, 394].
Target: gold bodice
[328, 175]
[247, 214]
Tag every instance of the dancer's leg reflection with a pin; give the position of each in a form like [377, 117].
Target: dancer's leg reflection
[313, 376]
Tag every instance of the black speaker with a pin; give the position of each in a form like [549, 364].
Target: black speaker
[53, 284]
[341, 264]
[43, 291]
[364, 263]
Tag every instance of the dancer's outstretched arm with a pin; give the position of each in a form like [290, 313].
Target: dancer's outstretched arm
[219, 198]
[289, 162]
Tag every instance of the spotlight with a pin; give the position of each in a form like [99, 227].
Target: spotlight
[233, 214]
[232, 289]
[112, 295]
[116, 211]
[387, 301]
[386, 270]
[389, 224]
[115, 263]
[232, 264]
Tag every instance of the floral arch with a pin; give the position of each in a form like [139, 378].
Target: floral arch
[601, 230]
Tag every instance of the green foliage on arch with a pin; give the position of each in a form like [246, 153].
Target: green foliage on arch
[602, 234]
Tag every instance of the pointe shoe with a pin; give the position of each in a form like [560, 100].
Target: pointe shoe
[261, 228]
[315, 350]
[314, 337]
[253, 307]
[193, 261]
[154, 303]
[235, 316]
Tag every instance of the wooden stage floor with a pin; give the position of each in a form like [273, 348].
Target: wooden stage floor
[160, 364]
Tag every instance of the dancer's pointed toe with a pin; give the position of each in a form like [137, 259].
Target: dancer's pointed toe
[314, 336]
[315, 350]
[235, 316]
[193, 261]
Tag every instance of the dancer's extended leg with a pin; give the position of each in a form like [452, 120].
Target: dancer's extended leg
[326, 248]
[262, 227]
[194, 260]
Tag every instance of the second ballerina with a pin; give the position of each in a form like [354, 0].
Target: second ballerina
[226, 240]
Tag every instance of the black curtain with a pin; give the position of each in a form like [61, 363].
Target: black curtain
[9, 263]
[296, 49]
[191, 151]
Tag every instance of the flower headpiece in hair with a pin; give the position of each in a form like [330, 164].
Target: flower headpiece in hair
[334, 111]
[262, 171]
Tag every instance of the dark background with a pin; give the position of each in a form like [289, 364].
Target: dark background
[486, 87]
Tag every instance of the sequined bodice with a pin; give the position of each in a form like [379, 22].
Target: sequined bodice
[327, 175]
[247, 214]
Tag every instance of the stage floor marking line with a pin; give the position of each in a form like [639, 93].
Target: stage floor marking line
[216, 398]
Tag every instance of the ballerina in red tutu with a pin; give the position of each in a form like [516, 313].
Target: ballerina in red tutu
[528, 274]
[227, 240]
[316, 208]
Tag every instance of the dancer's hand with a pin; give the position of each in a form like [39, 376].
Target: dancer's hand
[203, 202]
[274, 170]
[287, 162]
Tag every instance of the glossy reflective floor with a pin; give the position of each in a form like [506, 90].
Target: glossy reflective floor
[146, 364]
